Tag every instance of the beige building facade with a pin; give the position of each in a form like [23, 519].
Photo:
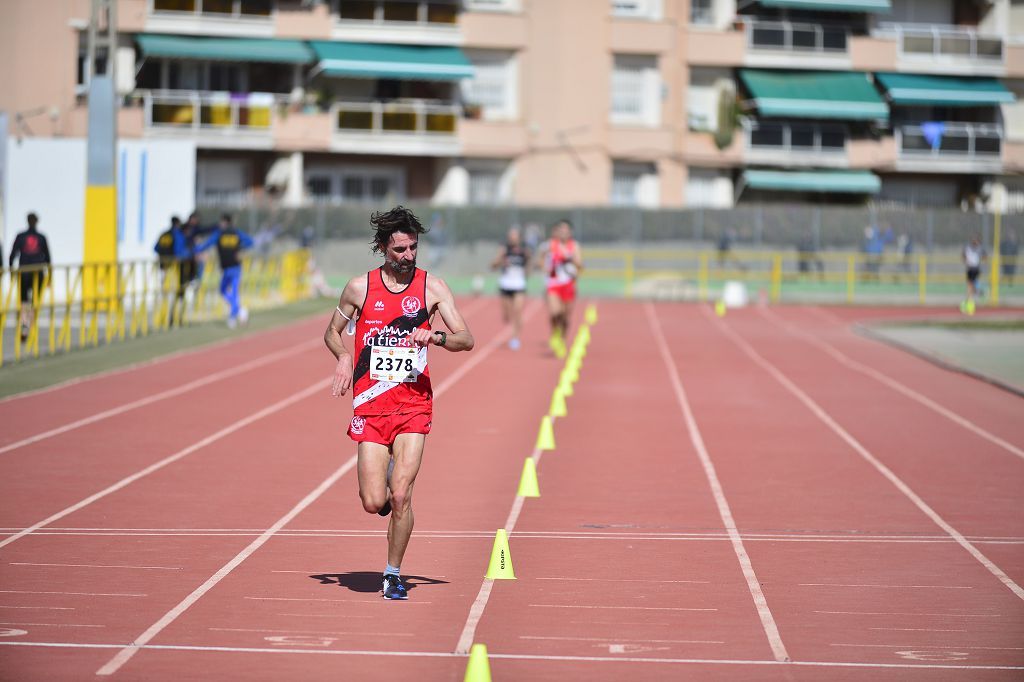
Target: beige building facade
[648, 103]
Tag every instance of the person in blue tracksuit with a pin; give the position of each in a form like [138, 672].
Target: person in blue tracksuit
[230, 241]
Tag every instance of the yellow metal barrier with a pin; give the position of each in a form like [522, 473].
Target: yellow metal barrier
[140, 298]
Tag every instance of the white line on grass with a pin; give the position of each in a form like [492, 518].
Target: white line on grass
[846, 360]
[163, 395]
[827, 419]
[771, 630]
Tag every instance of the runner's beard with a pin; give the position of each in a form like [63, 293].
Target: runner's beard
[402, 267]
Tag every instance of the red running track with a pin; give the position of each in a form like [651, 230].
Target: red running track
[761, 496]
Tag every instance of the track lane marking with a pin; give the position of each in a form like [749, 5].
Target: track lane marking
[126, 654]
[527, 657]
[764, 613]
[156, 397]
[897, 386]
[885, 471]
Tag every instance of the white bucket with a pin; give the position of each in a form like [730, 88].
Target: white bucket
[734, 294]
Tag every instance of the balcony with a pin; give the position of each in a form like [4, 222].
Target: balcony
[950, 147]
[945, 49]
[422, 22]
[402, 127]
[796, 144]
[788, 44]
[211, 17]
[211, 119]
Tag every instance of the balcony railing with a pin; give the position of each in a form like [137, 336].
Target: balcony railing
[405, 117]
[950, 141]
[944, 43]
[222, 9]
[786, 36]
[209, 111]
[796, 138]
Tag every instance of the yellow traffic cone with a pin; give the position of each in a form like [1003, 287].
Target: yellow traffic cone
[546, 435]
[565, 383]
[528, 481]
[500, 567]
[591, 314]
[720, 308]
[558, 407]
[479, 668]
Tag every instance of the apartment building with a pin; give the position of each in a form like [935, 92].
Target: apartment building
[651, 103]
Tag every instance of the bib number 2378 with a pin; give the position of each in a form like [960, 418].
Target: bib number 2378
[393, 364]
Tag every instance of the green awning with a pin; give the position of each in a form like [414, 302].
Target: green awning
[843, 181]
[403, 62]
[225, 49]
[904, 88]
[874, 6]
[839, 95]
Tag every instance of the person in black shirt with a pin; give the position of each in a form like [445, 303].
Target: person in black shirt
[33, 255]
[174, 247]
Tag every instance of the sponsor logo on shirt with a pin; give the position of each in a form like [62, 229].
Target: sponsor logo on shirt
[358, 424]
[410, 306]
[379, 305]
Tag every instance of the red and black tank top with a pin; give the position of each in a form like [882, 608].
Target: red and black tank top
[390, 374]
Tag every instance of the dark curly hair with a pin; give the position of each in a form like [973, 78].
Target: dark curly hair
[398, 219]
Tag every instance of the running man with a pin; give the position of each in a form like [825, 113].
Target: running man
[513, 260]
[230, 241]
[390, 310]
[562, 263]
[973, 256]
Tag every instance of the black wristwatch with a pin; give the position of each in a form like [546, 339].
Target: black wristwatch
[444, 337]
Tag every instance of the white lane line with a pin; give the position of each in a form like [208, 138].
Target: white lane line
[52, 625]
[123, 656]
[527, 657]
[626, 608]
[126, 654]
[933, 646]
[163, 395]
[907, 613]
[631, 580]
[77, 594]
[917, 630]
[155, 361]
[827, 419]
[846, 360]
[890, 587]
[144, 568]
[620, 640]
[240, 424]
[317, 632]
[771, 630]
[370, 600]
[46, 608]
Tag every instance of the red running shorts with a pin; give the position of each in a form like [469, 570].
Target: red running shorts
[384, 428]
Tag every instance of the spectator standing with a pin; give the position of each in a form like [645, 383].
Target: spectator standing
[32, 252]
[230, 241]
[174, 249]
[973, 256]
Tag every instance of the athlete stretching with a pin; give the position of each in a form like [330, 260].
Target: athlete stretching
[391, 309]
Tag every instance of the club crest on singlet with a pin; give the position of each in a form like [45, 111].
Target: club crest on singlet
[410, 306]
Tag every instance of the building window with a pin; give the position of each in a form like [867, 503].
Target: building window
[433, 12]
[637, 9]
[222, 182]
[635, 91]
[702, 12]
[707, 88]
[488, 182]
[355, 185]
[216, 8]
[708, 188]
[634, 184]
[494, 84]
[204, 76]
[492, 5]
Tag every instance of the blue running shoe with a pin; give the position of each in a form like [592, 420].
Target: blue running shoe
[393, 587]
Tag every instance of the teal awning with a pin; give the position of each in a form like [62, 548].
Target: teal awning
[402, 62]
[838, 95]
[225, 49]
[908, 89]
[874, 6]
[842, 181]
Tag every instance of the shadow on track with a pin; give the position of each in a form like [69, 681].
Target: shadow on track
[369, 581]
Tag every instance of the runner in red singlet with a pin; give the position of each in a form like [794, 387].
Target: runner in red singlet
[562, 263]
[390, 310]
